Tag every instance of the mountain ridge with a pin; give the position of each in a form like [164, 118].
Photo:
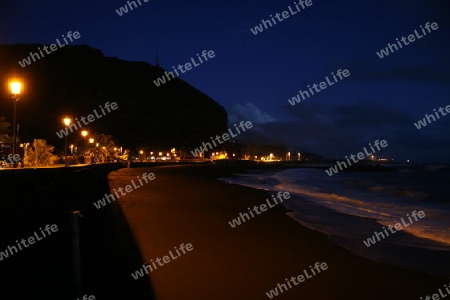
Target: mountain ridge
[76, 79]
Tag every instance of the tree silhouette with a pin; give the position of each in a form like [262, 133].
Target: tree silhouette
[40, 155]
[5, 130]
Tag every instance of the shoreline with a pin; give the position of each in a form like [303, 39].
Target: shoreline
[378, 255]
[247, 261]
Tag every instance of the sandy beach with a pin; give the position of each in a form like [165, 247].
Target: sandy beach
[186, 204]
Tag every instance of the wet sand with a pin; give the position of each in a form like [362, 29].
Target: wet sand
[186, 204]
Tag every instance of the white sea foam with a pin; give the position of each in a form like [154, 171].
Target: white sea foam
[351, 207]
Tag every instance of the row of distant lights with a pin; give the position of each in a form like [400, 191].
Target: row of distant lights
[15, 90]
[245, 156]
[16, 87]
[141, 152]
[72, 146]
[160, 157]
[226, 154]
[84, 134]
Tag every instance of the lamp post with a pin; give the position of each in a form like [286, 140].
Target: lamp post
[84, 133]
[91, 158]
[115, 153]
[106, 154]
[67, 123]
[15, 87]
[96, 151]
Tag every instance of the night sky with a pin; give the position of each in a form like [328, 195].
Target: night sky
[253, 76]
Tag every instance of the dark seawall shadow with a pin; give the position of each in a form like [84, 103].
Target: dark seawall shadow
[33, 198]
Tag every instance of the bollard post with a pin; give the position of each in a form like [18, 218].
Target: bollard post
[76, 250]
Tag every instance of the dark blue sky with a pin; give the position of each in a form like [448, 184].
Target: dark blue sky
[253, 76]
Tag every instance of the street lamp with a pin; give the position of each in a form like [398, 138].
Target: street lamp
[106, 153]
[66, 122]
[91, 141]
[84, 133]
[15, 87]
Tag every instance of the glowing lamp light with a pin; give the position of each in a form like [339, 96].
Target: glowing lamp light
[15, 87]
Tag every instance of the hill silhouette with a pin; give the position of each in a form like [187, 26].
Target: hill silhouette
[75, 80]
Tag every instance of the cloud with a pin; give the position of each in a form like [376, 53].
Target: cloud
[336, 130]
[248, 112]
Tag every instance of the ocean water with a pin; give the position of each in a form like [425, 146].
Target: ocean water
[350, 206]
